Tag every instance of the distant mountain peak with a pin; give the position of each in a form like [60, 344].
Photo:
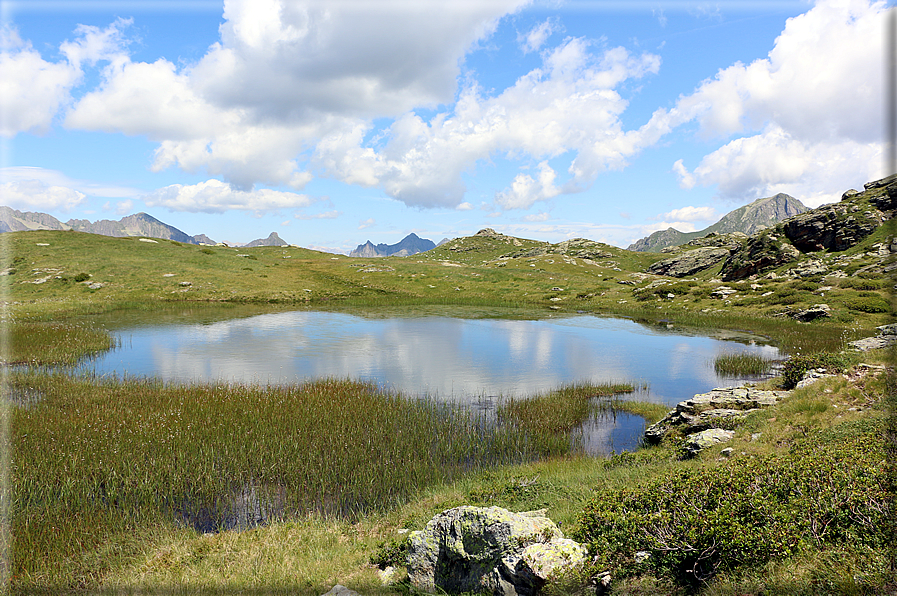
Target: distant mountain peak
[272, 240]
[748, 219]
[409, 245]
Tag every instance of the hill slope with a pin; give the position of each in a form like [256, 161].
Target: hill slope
[748, 219]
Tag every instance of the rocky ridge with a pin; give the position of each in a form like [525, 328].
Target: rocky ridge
[139, 224]
[833, 228]
[748, 219]
[409, 245]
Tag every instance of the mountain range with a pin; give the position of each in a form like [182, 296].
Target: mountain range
[748, 219]
[409, 245]
[139, 224]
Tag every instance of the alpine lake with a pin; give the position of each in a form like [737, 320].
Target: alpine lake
[473, 356]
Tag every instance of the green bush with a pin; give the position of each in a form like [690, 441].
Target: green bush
[698, 522]
[857, 283]
[207, 251]
[81, 277]
[868, 304]
[797, 366]
[807, 286]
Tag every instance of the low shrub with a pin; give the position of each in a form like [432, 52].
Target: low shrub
[858, 283]
[797, 366]
[81, 277]
[868, 304]
[828, 490]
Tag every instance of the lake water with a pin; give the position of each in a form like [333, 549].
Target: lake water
[474, 357]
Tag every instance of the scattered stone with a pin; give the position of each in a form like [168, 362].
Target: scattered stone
[95, 285]
[727, 452]
[41, 244]
[887, 336]
[489, 549]
[185, 284]
[168, 275]
[705, 410]
[722, 292]
[811, 376]
[339, 590]
[809, 269]
[697, 442]
[816, 311]
[148, 240]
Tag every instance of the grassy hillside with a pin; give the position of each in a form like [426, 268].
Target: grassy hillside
[54, 274]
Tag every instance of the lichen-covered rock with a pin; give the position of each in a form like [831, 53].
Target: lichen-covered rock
[706, 410]
[474, 549]
[528, 571]
[697, 442]
[689, 262]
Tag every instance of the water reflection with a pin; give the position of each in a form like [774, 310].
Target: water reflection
[466, 359]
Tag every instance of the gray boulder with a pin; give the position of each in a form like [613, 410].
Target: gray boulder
[491, 550]
[697, 442]
[689, 262]
[340, 590]
[817, 311]
[706, 410]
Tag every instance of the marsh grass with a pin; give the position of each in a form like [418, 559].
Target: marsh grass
[44, 343]
[98, 457]
[563, 409]
[741, 365]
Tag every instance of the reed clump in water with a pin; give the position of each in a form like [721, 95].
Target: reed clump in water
[739, 365]
[563, 409]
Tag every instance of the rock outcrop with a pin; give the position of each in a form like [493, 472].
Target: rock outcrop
[833, 227]
[708, 410]
[762, 252]
[887, 336]
[697, 442]
[491, 550]
[689, 262]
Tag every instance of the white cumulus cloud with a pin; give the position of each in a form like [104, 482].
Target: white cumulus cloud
[34, 194]
[215, 196]
[536, 37]
[691, 214]
[809, 116]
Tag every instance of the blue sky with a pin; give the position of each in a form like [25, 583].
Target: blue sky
[334, 122]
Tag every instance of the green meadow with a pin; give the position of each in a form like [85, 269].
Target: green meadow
[140, 486]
